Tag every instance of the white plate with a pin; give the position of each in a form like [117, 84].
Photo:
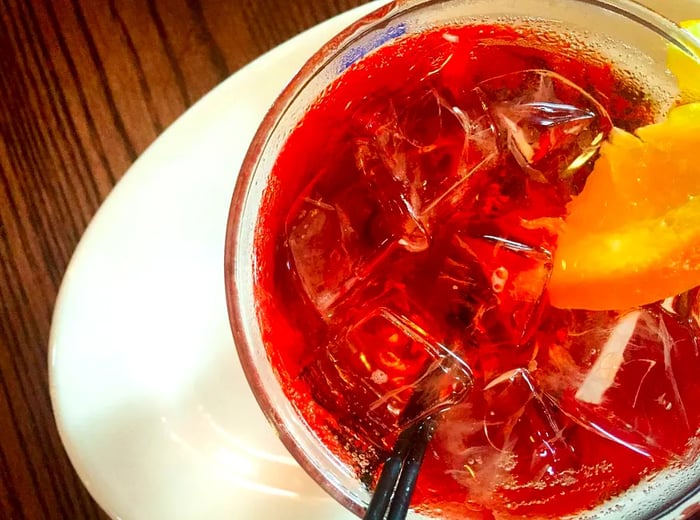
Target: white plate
[149, 397]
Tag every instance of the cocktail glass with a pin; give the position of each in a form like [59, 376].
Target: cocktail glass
[619, 28]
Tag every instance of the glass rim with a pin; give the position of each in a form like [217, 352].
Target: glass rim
[332, 49]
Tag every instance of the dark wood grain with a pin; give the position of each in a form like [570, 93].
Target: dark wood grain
[85, 87]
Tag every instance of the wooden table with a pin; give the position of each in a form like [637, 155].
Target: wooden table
[85, 87]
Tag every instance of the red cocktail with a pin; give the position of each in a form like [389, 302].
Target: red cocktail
[405, 245]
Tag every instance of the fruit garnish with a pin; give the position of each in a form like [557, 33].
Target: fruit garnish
[685, 68]
[632, 236]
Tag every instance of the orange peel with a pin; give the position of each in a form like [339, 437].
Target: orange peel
[632, 236]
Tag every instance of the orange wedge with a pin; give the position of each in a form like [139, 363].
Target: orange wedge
[632, 236]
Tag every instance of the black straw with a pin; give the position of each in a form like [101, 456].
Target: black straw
[397, 481]
[400, 473]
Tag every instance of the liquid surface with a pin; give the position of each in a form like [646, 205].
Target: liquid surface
[406, 247]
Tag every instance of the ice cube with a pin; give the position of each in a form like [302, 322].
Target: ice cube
[551, 126]
[421, 149]
[337, 235]
[381, 156]
[317, 243]
[461, 290]
[630, 378]
[521, 420]
[384, 374]
[476, 464]
[489, 289]
[505, 437]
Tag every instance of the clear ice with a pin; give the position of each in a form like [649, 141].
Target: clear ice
[549, 124]
[490, 290]
[408, 175]
[627, 378]
[424, 152]
[335, 238]
[510, 435]
[384, 390]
